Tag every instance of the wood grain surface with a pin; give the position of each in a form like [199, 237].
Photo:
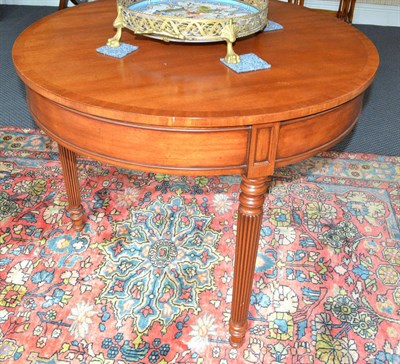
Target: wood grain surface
[318, 62]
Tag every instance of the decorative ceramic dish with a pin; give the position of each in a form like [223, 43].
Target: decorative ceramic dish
[192, 20]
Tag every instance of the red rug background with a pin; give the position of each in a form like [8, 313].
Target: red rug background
[149, 278]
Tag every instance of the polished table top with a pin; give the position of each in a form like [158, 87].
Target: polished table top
[175, 108]
[329, 61]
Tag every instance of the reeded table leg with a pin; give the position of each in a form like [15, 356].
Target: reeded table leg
[248, 233]
[68, 164]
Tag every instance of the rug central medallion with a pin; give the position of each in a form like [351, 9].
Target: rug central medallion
[162, 253]
[158, 262]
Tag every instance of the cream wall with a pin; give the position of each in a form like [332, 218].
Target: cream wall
[375, 12]
[381, 2]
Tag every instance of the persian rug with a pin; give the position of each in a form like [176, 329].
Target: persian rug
[149, 279]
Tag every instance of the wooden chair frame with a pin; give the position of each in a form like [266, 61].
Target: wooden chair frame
[64, 3]
[345, 11]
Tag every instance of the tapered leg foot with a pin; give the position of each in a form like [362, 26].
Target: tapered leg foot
[248, 233]
[237, 333]
[68, 164]
[76, 216]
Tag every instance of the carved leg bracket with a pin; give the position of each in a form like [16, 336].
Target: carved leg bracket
[118, 24]
[248, 233]
[228, 33]
[68, 164]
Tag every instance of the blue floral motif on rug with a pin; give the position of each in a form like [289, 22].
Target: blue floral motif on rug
[158, 263]
[149, 279]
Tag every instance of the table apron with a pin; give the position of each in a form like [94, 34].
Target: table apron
[187, 151]
[253, 150]
[304, 137]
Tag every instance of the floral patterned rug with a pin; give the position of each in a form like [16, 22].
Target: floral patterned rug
[149, 279]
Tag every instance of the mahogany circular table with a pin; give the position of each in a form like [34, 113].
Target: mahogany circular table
[175, 108]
